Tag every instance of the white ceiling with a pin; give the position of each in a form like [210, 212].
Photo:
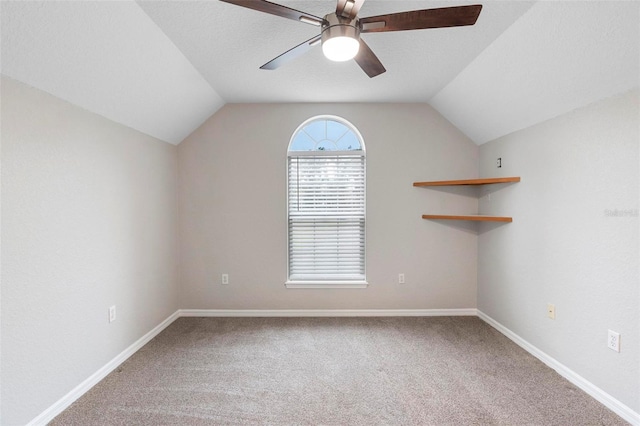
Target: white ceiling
[163, 67]
[109, 58]
[558, 57]
[229, 53]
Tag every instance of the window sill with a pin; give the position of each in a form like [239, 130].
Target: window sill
[326, 284]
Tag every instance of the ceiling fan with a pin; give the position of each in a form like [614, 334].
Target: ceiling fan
[340, 31]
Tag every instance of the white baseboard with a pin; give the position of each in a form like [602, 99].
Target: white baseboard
[64, 402]
[610, 402]
[598, 394]
[327, 312]
[57, 408]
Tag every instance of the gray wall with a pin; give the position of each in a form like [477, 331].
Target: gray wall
[232, 217]
[88, 221]
[563, 247]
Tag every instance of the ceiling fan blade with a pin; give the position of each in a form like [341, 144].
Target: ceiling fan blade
[422, 19]
[292, 54]
[368, 61]
[278, 10]
[348, 8]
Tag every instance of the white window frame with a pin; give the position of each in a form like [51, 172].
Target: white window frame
[359, 282]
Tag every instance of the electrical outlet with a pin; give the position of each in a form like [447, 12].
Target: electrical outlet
[112, 313]
[499, 163]
[225, 279]
[400, 278]
[551, 311]
[613, 341]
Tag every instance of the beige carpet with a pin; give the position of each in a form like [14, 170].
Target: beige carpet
[334, 371]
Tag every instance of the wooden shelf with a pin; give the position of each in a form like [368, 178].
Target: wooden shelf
[473, 217]
[485, 181]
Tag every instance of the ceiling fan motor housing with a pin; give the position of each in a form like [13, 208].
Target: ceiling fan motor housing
[338, 26]
[340, 31]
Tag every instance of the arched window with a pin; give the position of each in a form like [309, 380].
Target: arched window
[326, 204]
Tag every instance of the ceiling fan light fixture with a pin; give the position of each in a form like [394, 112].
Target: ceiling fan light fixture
[340, 48]
[340, 38]
[340, 33]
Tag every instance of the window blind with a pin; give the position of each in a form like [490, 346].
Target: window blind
[326, 195]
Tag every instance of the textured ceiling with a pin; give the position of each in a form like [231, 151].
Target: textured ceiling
[109, 58]
[163, 67]
[228, 44]
[585, 51]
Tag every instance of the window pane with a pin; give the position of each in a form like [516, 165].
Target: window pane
[349, 142]
[325, 135]
[316, 130]
[326, 145]
[326, 204]
[302, 142]
[336, 130]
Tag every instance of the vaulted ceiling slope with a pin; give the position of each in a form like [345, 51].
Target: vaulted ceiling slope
[163, 67]
[110, 58]
[558, 57]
